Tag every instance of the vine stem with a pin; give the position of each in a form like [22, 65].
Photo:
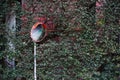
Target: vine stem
[35, 75]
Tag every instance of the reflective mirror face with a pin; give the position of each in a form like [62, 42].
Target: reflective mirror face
[37, 32]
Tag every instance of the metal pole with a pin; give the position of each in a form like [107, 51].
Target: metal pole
[35, 76]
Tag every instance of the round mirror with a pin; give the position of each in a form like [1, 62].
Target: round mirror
[38, 32]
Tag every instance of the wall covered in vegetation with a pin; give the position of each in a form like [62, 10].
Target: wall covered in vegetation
[83, 46]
